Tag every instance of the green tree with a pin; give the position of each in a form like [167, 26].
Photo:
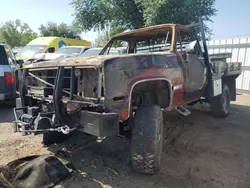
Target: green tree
[16, 34]
[98, 14]
[60, 30]
[177, 11]
[132, 14]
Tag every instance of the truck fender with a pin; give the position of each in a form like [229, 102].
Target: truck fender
[167, 102]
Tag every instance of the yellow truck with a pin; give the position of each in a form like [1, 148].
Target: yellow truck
[47, 45]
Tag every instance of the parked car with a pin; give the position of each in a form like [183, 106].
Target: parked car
[8, 66]
[47, 45]
[164, 68]
[91, 52]
[97, 51]
[63, 52]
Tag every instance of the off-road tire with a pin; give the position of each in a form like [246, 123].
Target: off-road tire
[147, 140]
[220, 104]
[53, 137]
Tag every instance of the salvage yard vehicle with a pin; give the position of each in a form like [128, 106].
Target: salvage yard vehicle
[8, 66]
[165, 68]
[47, 45]
[63, 52]
[97, 51]
[91, 52]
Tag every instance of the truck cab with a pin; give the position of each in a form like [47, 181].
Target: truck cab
[172, 56]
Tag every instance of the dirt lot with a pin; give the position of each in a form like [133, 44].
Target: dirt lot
[199, 152]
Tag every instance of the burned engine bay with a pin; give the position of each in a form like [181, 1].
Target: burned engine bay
[85, 82]
[62, 100]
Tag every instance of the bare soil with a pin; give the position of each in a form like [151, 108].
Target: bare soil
[200, 151]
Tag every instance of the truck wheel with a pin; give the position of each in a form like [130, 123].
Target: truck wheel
[220, 104]
[147, 140]
[53, 137]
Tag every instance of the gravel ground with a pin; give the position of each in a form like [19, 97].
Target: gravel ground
[200, 151]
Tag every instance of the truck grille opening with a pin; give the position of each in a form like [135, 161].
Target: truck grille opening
[86, 82]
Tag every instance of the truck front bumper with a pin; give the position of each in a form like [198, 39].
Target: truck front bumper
[97, 124]
[84, 114]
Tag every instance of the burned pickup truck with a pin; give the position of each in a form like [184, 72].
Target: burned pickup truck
[164, 68]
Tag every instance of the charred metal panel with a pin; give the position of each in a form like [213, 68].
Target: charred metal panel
[120, 74]
[87, 82]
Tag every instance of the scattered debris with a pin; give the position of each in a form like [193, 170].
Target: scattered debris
[20, 173]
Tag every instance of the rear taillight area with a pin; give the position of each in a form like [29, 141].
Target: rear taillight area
[9, 78]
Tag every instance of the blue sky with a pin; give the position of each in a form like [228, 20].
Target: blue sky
[232, 17]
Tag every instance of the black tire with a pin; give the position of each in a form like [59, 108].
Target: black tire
[53, 137]
[147, 140]
[220, 104]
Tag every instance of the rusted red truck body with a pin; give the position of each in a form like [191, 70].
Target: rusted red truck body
[158, 66]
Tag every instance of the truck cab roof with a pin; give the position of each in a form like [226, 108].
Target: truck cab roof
[148, 30]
